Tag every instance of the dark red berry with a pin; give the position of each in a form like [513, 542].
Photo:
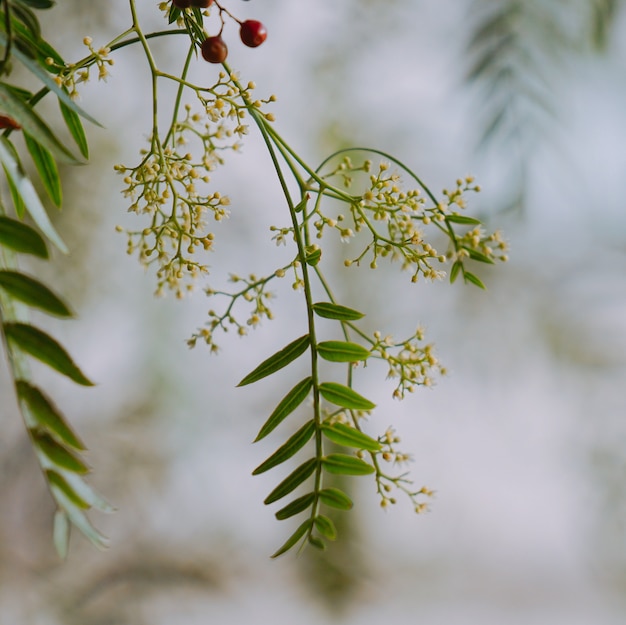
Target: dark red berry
[181, 4]
[214, 50]
[252, 33]
[201, 4]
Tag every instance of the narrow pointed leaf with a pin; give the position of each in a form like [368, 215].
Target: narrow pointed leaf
[34, 125]
[470, 277]
[347, 436]
[43, 347]
[86, 493]
[454, 272]
[75, 126]
[279, 360]
[335, 311]
[22, 238]
[57, 482]
[33, 293]
[46, 168]
[286, 406]
[61, 533]
[296, 506]
[78, 518]
[28, 194]
[18, 202]
[342, 351]
[294, 538]
[45, 77]
[325, 527]
[335, 498]
[46, 414]
[343, 464]
[292, 481]
[59, 455]
[290, 448]
[462, 219]
[345, 397]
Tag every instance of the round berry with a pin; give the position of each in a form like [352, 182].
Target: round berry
[214, 49]
[201, 4]
[181, 4]
[252, 33]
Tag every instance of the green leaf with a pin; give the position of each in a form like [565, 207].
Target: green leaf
[313, 258]
[46, 168]
[61, 533]
[347, 436]
[78, 518]
[481, 258]
[286, 406]
[346, 465]
[21, 238]
[292, 481]
[75, 126]
[37, 4]
[33, 293]
[33, 125]
[56, 481]
[294, 538]
[58, 454]
[42, 74]
[290, 448]
[86, 493]
[279, 360]
[18, 202]
[28, 19]
[335, 498]
[335, 311]
[345, 397]
[45, 413]
[174, 14]
[470, 277]
[454, 272]
[318, 543]
[325, 527]
[462, 219]
[295, 507]
[28, 194]
[43, 347]
[342, 351]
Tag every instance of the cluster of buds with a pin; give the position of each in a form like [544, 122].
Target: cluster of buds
[410, 362]
[70, 75]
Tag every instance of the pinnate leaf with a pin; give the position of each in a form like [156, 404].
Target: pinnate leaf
[325, 527]
[21, 238]
[343, 464]
[46, 168]
[46, 415]
[294, 538]
[286, 406]
[345, 397]
[33, 293]
[279, 360]
[296, 506]
[43, 347]
[335, 311]
[292, 481]
[348, 436]
[342, 351]
[290, 448]
[59, 455]
[335, 498]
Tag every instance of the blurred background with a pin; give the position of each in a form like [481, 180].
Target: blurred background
[524, 441]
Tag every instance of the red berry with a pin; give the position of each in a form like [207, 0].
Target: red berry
[214, 49]
[181, 4]
[201, 4]
[252, 33]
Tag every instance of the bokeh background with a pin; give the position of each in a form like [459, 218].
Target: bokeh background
[524, 441]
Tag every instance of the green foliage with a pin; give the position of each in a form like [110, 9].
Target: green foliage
[382, 212]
